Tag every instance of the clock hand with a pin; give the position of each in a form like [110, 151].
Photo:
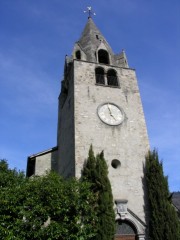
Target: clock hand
[109, 109]
[113, 116]
[111, 112]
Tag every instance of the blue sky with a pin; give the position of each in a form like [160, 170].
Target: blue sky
[36, 35]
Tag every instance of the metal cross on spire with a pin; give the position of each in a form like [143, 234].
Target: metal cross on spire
[90, 12]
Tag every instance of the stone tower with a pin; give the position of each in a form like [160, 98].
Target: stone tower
[100, 104]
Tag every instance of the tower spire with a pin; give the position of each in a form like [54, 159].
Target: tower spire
[91, 39]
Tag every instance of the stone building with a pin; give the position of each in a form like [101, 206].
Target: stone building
[100, 104]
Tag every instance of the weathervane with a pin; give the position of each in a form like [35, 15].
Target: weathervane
[90, 12]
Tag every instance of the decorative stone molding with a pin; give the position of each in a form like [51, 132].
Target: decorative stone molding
[122, 208]
[123, 213]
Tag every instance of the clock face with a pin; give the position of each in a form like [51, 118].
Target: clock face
[110, 114]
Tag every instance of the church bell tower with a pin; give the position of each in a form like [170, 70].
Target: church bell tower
[100, 104]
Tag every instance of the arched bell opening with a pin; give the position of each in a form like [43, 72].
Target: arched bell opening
[78, 54]
[99, 75]
[103, 56]
[112, 78]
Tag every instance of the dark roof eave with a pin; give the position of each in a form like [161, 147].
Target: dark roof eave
[43, 152]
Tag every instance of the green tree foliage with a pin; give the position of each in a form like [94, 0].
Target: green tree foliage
[9, 177]
[45, 207]
[164, 222]
[96, 172]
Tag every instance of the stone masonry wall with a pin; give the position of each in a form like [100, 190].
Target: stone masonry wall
[127, 142]
[45, 163]
[66, 152]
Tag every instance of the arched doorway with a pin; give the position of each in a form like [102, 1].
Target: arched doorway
[125, 231]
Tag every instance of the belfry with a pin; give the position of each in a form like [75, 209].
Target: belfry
[100, 104]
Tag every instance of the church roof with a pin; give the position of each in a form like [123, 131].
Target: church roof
[43, 152]
[91, 38]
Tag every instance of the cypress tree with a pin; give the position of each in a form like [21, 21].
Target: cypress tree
[96, 172]
[89, 170]
[106, 215]
[163, 223]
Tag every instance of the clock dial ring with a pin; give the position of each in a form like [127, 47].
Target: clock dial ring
[110, 113]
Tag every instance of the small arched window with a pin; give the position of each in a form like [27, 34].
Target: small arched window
[112, 78]
[103, 56]
[78, 55]
[99, 75]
